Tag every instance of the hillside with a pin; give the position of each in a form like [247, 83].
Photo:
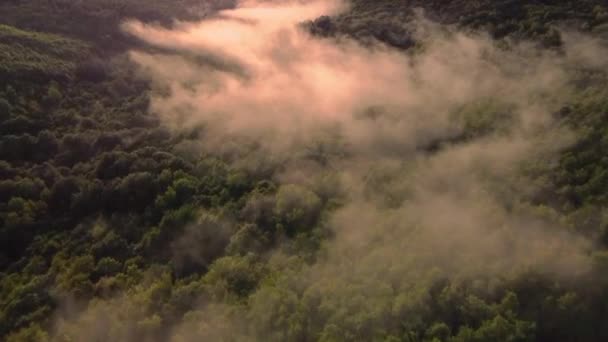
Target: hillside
[381, 175]
[29, 55]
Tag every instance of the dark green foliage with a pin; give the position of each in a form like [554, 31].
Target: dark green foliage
[386, 20]
[6, 109]
[99, 20]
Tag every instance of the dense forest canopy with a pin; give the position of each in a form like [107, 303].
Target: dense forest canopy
[391, 170]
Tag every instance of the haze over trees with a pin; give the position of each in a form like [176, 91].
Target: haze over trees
[322, 171]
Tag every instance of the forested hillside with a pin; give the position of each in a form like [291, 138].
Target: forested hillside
[387, 171]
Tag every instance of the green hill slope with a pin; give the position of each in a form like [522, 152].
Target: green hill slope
[27, 54]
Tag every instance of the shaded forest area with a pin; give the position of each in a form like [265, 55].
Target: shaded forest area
[95, 192]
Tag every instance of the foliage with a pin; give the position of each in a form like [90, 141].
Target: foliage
[99, 206]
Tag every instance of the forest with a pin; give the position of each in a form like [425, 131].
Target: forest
[275, 170]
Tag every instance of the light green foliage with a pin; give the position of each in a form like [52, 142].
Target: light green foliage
[484, 117]
[33, 333]
[33, 53]
[232, 278]
[296, 209]
[53, 95]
